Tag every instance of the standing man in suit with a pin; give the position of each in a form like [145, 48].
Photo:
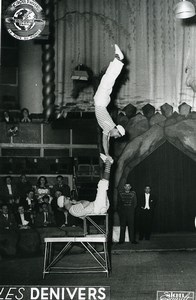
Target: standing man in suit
[147, 202]
[126, 210]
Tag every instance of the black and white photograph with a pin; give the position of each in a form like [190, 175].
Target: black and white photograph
[97, 149]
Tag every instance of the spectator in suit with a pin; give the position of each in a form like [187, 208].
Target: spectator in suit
[23, 186]
[59, 215]
[147, 202]
[44, 218]
[9, 232]
[126, 210]
[30, 201]
[54, 201]
[31, 205]
[7, 219]
[7, 117]
[47, 199]
[9, 193]
[61, 186]
[23, 219]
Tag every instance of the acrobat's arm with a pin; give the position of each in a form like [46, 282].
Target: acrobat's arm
[105, 143]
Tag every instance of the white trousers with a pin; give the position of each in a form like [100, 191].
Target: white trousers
[101, 203]
[102, 96]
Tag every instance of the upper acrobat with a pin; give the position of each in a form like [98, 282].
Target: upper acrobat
[102, 99]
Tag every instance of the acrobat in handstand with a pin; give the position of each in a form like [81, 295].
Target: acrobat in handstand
[102, 98]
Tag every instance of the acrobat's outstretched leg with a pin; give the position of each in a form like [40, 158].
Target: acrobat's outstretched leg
[102, 95]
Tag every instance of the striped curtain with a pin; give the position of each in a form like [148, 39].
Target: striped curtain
[157, 46]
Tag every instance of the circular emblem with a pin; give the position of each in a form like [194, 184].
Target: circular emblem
[24, 19]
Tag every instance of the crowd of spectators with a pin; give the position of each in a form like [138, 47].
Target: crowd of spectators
[22, 116]
[24, 206]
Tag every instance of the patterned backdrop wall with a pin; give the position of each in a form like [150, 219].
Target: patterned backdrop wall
[158, 47]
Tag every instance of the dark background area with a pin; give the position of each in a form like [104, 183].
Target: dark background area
[171, 175]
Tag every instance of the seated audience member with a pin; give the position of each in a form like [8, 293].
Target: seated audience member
[54, 204]
[30, 201]
[7, 219]
[47, 199]
[31, 205]
[23, 219]
[44, 217]
[8, 232]
[42, 188]
[61, 218]
[25, 117]
[64, 218]
[6, 117]
[23, 186]
[74, 194]
[61, 186]
[9, 193]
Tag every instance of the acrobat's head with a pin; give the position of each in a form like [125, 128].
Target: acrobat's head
[64, 202]
[117, 131]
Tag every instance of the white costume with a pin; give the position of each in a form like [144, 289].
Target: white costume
[99, 206]
[102, 96]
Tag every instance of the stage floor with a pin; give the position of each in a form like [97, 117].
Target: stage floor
[138, 271]
[160, 242]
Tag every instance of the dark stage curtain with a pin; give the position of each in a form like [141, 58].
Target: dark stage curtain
[171, 175]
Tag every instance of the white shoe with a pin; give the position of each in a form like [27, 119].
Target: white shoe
[110, 159]
[106, 157]
[103, 157]
[118, 52]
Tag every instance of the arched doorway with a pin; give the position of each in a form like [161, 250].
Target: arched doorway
[171, 174]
